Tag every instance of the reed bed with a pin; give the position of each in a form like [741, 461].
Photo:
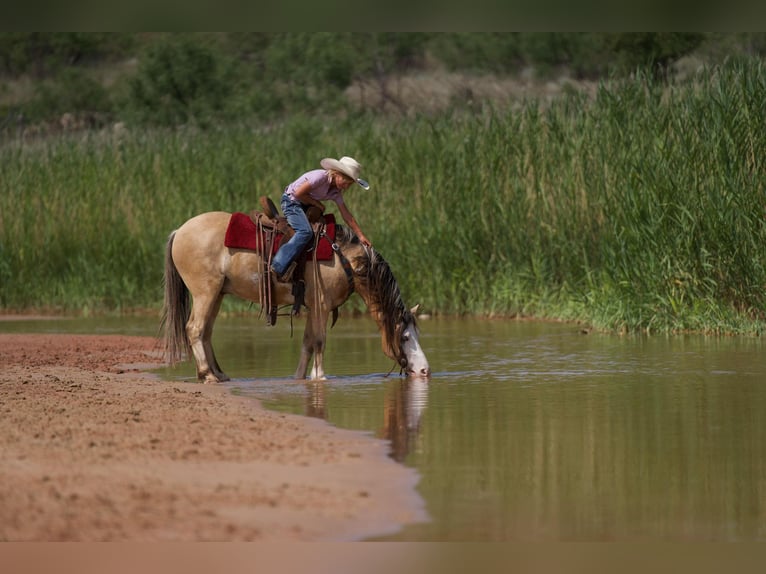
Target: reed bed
[641, 209]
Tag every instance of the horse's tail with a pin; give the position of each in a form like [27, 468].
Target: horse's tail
[176, 309]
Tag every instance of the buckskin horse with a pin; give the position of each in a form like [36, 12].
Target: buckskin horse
[198, 264]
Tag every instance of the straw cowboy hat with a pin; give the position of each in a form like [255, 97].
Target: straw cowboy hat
[346, 165]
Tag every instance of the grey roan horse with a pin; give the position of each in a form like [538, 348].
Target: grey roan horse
[198, 264]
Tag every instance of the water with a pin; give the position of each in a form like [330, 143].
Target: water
[535, 431]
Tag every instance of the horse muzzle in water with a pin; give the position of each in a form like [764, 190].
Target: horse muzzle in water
[416, 364]
[420, 371]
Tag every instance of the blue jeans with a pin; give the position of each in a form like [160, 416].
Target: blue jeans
[297, 219]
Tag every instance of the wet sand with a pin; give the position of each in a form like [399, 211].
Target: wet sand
[93, 449]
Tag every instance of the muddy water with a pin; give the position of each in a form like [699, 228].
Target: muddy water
[533, 431]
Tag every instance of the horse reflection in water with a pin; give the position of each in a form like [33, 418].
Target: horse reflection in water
[404, 403]
[199, 266]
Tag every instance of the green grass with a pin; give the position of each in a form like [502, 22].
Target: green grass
[639, 210]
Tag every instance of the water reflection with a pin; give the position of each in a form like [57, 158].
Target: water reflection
[316, 403]
[404, 402]
[403, 407]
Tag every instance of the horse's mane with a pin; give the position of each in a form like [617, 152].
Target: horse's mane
[373, 277]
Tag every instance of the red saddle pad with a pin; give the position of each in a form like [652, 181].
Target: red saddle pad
[243, 233]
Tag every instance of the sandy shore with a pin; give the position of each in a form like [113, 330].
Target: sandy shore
[94, 450]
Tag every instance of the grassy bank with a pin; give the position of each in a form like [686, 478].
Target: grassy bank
[641, 209]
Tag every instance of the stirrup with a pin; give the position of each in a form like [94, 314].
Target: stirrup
[268, 299]
[299, 296]
[271, 316]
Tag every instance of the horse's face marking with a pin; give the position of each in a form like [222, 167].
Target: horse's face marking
[414, 360]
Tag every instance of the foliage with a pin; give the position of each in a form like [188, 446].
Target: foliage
[44, 53]
[653, 50]
[73, 89]
[180, 81]
[495, 52]
[639, 209]
[203, 79]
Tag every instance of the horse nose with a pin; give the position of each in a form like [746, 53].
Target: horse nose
[419, 369]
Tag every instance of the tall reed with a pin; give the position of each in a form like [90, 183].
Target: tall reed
[640, 209]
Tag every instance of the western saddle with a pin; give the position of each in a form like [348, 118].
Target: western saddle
[274, 227]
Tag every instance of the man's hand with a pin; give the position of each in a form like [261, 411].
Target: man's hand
[363, 240]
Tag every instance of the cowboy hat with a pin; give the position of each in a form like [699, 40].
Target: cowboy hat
[347, 166]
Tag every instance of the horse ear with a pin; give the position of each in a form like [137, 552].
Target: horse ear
[414, 310]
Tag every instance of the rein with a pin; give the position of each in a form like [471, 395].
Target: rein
[268, 235]
[388, 374]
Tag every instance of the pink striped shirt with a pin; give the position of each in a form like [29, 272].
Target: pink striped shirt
[321, 190]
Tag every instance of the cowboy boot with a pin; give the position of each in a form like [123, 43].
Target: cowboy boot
[287, 276]
[271, 308]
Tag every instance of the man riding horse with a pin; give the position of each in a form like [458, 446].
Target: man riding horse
[310, 190]
[202, 266]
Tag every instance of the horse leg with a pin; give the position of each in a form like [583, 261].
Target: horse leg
[320, 338]
[207, 340]
[306, 353]
[314, 338]
[199, 328]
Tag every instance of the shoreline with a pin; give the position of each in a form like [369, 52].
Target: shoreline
[95, 449]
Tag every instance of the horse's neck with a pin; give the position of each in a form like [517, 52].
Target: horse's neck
[377, 313]
[380, 321]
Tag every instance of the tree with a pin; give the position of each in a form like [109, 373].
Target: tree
[180, 80]
[653, 50]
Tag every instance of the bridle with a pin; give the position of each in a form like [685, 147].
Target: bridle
[345, 263]
[402, 359]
